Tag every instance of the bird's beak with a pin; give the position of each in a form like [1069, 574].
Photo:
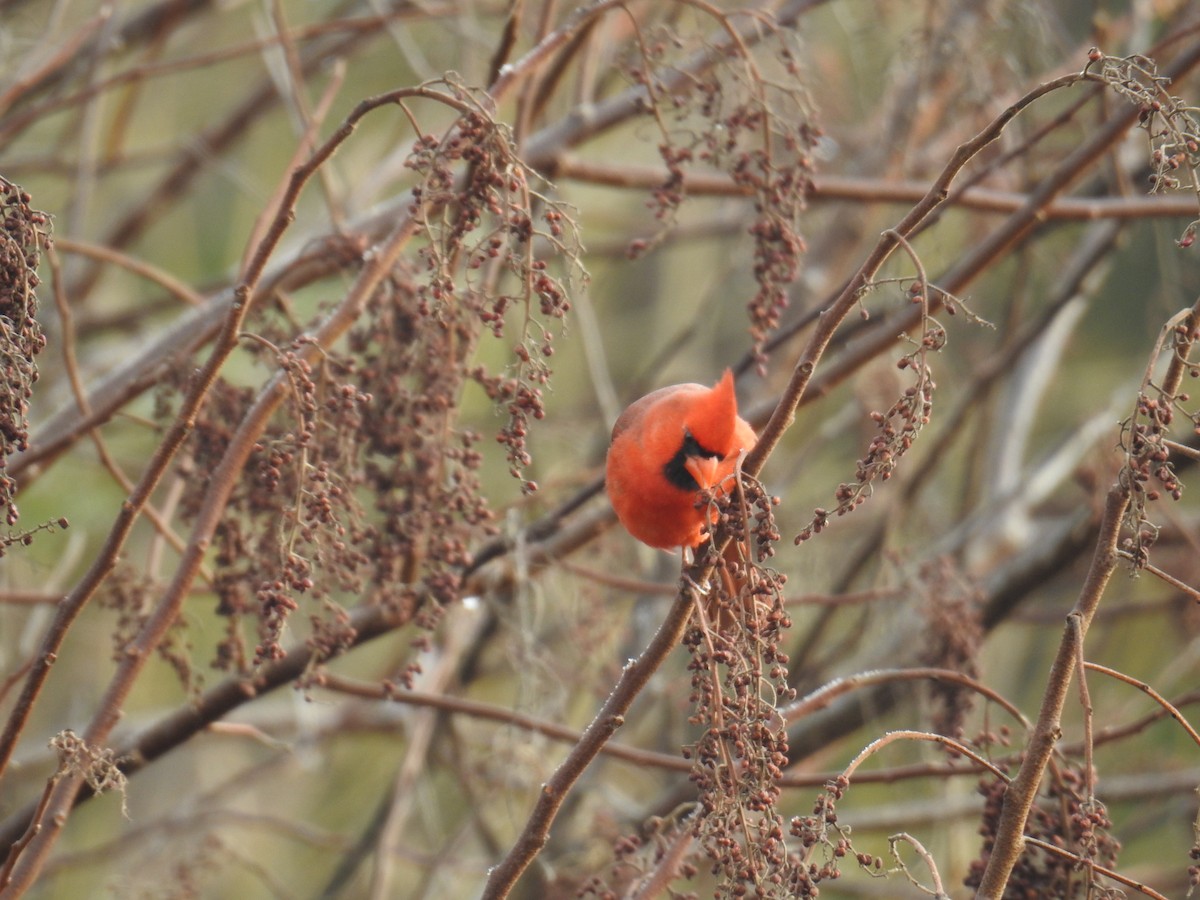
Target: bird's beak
[703, 469]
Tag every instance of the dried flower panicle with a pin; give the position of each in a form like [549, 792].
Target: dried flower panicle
[826, 842]
[953, 637]
[739, 675]
[1067, 819]
[1148, 472]
[1171, 124]
[897, 431]
[99, 766]
[24, 232]
[365, 487]
[757, 130]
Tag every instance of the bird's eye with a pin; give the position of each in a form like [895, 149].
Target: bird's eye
[675, 470]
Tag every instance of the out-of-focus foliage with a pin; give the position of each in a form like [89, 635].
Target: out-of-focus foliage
[335, 306]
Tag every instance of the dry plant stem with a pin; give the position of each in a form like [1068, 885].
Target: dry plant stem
[139, 267]
[492, 713]
[1055, 850]
[1181, 586]
[1085, 704]
[1170, 708]
[937, 891]
[893, 736]
[1022, 791]
[827, 188]
[1182, 449]
[827, 693]
[633, 679]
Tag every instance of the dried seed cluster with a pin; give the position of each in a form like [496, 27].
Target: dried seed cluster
[1171, 125]
[739, 676]
[366, 485]
[898, 429]
[98, 765]
[24, 231]
[757, 130]
[1067, 819]
[825, 841]
[498, 218]
[1148, 472]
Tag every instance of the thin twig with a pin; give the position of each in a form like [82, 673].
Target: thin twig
[611, 716]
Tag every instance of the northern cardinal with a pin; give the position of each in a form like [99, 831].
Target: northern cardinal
[666, 448]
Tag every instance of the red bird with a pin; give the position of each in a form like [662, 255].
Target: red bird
[666, 448]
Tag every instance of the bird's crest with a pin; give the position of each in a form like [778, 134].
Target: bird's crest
[713, 420]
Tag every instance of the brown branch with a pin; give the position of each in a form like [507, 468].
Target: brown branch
[893, 736]
[1169, 708]
[831, 188]
[1063, 853]
[827, 693]
[492, 713]
[636, 674]
[139, 267]
[1022, 791]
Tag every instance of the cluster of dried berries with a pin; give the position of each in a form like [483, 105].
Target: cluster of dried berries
[1065, 819]
[761, 134]
[898, 429]
[497, 218]
[1148, 471]
[820, 833]
[1169, 121]
[23, 233]
[780, 192]
[739, 675]
[364, 487]
[293, 517]
[952, 638]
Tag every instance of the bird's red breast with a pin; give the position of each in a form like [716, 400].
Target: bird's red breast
[666, 448]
